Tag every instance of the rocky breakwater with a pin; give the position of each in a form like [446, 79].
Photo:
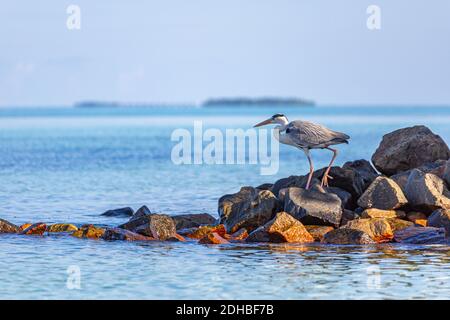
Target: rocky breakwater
[404, 197]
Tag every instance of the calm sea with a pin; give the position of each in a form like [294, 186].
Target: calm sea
[70, 165]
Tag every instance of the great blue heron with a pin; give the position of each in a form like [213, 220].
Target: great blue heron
[307, 135]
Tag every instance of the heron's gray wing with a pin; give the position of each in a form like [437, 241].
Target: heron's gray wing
[309, 134]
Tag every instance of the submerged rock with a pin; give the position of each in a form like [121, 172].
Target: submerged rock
[282, 228]
[420, 235]
[184, 221]
[61, 227]
[440, 219]
[409, 148]
[35, 229]
[89, 231]
[377, 213]
[8, 227]
[158, 226]
[426, 191]
[383, 193]
[313, 207]
[213, 238]
[122, 234]
[200, 232]
[318, 232]
[239, 235]
[347, 236]
[249, 209]
[379, 230]
[121, 212]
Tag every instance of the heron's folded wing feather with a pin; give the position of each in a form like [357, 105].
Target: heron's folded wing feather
[305, 133]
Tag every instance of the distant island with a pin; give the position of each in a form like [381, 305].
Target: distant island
[257, 102]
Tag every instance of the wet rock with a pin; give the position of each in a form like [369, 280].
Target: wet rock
[141, 212]
[213, 238]
[249, 209]
[35, 229]
[426, 191]
[158, 226]
[440, 219]
[420, 235]
[383, 193]
[409, 148]
[200, 232]
[89, 231]
[8, 227]
[282, 228]
[318, 232]
[346, 197]
[121, 212]
[365, 170]
[399, 224]
[313, 207]
[347, 236]
[239, 235]
[61, 227]
[24, 226]
[184, 221]
[122, 234]
[379, 230]
[377, 213]
[348, 215]
[417, 218]
[176, 238]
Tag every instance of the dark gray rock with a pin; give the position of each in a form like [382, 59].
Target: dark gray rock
[112, 234]
[383, 193]
[265, 186]
[8, 227]
[249, 209]
[313, 207]
[347, 216]
[426, 191]
[420, 235]
[365, 170]
[346, 197]
[121, 212]
[185, 221]
[347, 236]
[292, 181]
[409, 148]
[347, 179]
[440, 219]
[158, 226]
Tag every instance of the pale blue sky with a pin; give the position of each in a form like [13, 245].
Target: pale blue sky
[187, 51]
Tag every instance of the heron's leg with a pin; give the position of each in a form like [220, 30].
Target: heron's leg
[311, 168]
[325, 175]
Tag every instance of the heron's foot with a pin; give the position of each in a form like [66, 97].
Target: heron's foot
[325, 180]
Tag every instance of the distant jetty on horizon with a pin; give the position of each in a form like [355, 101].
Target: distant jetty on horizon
[213, 102]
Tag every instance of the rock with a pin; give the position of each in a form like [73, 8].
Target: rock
[282, 228]
[89, 231]
[378, 229]
[440, 219]
[184, 221]
[426, 191]
[8, 227]
[122, 212]
[348, 215]
[176, 238]
[318, 232]
[122, 234]
[35, 229]
[377, 213]
[158, 226]
[24, 226]
[249, 209]
[285, 183]
[346, 197]
[409, 148]
[313, 207]
[401, 179]
[141, 212]
[213, 238]
[420, 235]
[383, 193]
[347, 236]
[265, 186]
[61, 227]
[202, 231]
[399, 224]
[239, 235]
[417, 218]
[446, 173]
[365, 170]
[347, 179]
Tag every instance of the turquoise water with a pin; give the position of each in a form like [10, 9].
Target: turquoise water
[70, 165]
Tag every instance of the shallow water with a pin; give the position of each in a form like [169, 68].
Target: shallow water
[70, 165]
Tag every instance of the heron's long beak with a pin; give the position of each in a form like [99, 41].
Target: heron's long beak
[268, 121]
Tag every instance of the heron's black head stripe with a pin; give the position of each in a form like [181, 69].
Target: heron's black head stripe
[278, 115]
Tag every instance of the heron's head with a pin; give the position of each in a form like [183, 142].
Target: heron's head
[275, 119]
